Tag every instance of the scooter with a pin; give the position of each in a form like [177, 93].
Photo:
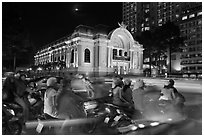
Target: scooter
[116, 118]
[36, 103]
[12, 117]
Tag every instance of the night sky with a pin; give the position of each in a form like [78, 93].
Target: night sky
[49, 21]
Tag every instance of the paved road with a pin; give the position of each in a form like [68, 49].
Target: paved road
[193, 108]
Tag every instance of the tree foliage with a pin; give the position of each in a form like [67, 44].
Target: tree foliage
[157, 42]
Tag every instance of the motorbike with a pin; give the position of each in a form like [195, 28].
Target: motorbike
[36, 103]
[12, 117]
[106, 113]
[121, 123]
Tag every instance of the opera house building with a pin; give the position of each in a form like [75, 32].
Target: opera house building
[92, 52]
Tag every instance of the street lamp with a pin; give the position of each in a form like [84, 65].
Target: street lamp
[57, 67]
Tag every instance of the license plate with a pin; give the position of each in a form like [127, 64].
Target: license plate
[39, 127]
[117, 118]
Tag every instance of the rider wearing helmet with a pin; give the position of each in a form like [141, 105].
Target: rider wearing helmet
[21, 93]
[167, 93]
[138, 96]
[50, 96]
[170, 93]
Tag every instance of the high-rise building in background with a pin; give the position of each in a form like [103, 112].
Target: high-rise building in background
[191, 30]
[142, 16]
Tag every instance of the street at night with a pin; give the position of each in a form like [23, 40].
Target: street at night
[101, 68]
[193, 109]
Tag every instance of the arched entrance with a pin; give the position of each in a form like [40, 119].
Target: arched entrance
[125, 51]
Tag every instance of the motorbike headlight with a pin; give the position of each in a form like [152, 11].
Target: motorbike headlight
[134, 127]
[169, 119]
[107, 110]
[154, 124]
[118, 111]
[141, 125]
[11, 111]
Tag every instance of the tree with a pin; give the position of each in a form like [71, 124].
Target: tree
[147, 40]
[169, 39]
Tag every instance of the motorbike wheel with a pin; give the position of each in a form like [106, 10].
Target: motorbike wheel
[14, 128]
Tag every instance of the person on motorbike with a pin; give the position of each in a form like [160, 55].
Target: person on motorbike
[21, 93]
[8, 88]
[120, 78]
[89, 86]
[138, 97]
[70, 107]
[170, 94]
[117, 93]
[50, 102]
[127, 91]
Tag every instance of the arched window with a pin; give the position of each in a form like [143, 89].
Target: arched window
[72, 56]
[87, 56]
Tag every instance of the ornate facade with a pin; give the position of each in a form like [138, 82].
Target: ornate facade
[95, 53]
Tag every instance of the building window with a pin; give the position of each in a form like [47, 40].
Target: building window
[184, 17]
[114, 53]
[192, 15]
[87, 56]
[199, 13]
[125, 53]
[120, 52]
[72, 56]
[146, 28]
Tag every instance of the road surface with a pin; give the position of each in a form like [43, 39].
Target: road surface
[193, 108]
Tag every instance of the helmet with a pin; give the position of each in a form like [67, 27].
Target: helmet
[127, 81]
[51, 81]
[117, 81]
[171, 82]
[139, 83]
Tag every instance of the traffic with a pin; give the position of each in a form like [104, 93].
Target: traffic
[77, 104]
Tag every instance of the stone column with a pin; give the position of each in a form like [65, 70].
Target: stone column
[111, 57]
[136, 60]
[141, 60]
[77, 59]
[67, 58]
[131, 59]
[108, 56]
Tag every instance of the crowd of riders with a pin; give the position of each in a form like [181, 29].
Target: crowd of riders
[60, 102]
